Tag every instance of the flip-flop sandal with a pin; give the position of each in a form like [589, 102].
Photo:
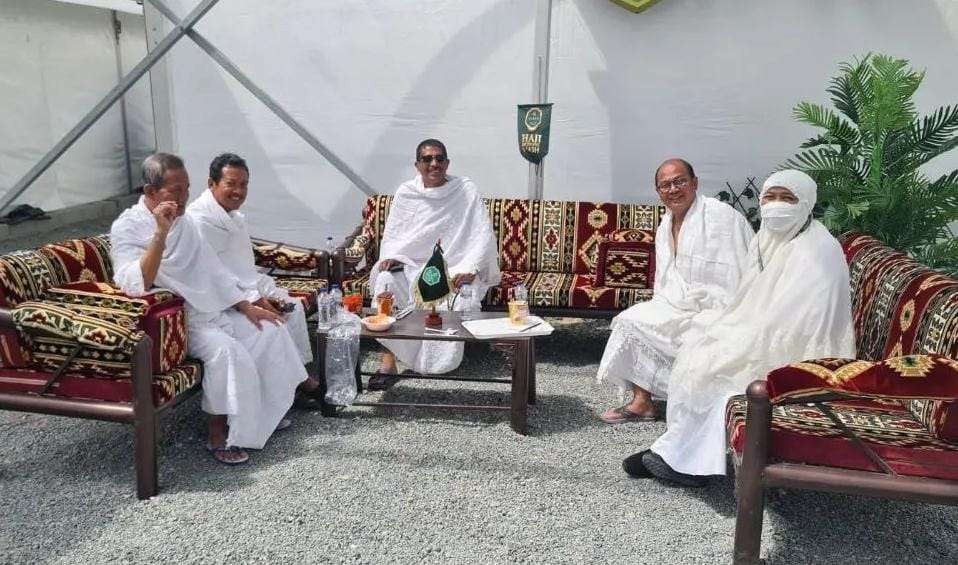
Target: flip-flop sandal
[634, 466]
[382, 382]
[622, 415]
[219, 453]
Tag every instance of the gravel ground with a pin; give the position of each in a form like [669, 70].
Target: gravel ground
[378, 486]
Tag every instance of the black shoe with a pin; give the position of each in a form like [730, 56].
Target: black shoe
[657, 466]
[382, 382]
[634, 467]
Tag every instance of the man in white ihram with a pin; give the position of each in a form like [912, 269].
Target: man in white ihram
[433, 207]
[793, 304]
[700, 255]
[223, 227]
[251, 366]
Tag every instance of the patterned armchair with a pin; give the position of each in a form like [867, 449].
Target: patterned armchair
[583, 259]
[883, 425]
[73, 344]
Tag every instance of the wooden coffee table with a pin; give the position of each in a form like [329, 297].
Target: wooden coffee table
[523, 381]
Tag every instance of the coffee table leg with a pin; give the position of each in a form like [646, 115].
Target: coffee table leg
[520, 386]
[532, 371]
[324, 408]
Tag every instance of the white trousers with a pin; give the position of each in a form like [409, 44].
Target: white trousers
[694, 443]
[426, 357]
[250, 375]
[642, 346]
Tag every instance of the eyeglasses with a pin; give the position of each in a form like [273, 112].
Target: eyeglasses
[427, 159]
[674, 184]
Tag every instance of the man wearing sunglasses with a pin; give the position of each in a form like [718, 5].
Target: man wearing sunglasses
[700, 255]
[433, 207]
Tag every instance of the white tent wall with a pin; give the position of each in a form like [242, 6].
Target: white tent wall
[715, 82]
[711, 81]
[56, 61]
[370, 79]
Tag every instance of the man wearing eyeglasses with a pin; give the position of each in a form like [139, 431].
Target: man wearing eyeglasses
[700, 254]
[433, 207]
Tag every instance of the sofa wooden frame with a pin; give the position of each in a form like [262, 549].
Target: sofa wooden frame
[141, 413]
[754, 474]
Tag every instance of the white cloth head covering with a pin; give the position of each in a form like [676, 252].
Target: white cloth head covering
[795, 306]
[769, 241]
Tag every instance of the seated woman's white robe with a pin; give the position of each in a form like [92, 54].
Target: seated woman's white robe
[797, 308]
[227, 234]
[419, 217]
[248, 374]
[699, 273]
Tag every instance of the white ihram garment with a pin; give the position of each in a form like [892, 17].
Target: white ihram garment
[797, 307]
[700, 272]
[228, 235]
[248, 374]
[419, 217]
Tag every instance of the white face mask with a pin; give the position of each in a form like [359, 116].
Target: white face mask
[780, 216]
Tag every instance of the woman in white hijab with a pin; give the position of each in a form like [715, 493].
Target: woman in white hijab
[794, 303]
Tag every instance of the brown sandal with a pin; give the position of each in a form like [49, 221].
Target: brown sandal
[222, 454]
[622, 414]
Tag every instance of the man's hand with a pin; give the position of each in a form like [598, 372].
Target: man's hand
[258, 315]
[388, 264]
[463, 278]
[164, 213]
[267, 304]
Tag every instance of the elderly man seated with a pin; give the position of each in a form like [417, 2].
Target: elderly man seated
[433, 207]
[793, 304]
[223, 227]
[700, 254]
[250, 364]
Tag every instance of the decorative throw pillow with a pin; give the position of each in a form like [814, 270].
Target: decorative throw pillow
[626, 264]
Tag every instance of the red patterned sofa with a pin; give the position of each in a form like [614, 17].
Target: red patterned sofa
[883, 425]
[583, 259]
[72, 344]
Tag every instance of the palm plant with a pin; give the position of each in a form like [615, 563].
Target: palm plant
[867, 160]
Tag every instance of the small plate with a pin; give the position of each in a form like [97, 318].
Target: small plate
[380, 326]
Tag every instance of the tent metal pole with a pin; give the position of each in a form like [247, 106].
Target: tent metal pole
[540, 85]
[269, 102]
[117, 30]
[115, 93]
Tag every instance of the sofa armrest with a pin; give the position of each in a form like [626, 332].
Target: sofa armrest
[348, 255]
[275, 255]
[926, 377]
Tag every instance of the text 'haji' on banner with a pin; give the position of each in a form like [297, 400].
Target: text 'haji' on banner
[534, 131]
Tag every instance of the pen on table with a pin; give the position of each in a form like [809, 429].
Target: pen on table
[530, 327]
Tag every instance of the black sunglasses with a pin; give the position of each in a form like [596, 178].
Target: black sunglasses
[427, 159]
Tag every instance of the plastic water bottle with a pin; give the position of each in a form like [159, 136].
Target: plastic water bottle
[330, 246]
[465, 295]
[335, 302]
[322, 310]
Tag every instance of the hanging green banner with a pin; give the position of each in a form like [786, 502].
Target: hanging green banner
[534, 131]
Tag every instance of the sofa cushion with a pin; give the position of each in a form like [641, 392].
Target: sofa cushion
[166, 386]
[931, 380]
[626, 264]
[25, 275]
[899, 306]
[802, 433]
[559, 236]
[82, 259]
